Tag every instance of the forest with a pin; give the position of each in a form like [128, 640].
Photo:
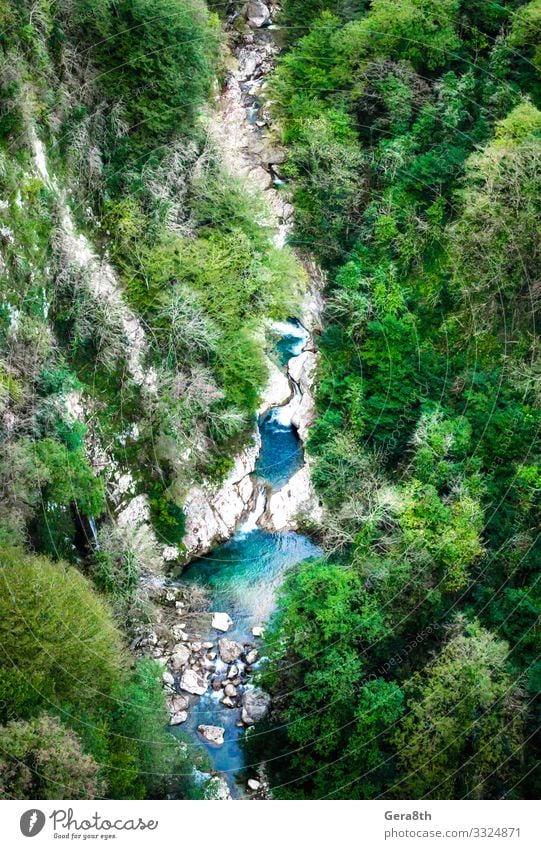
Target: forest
[405, 662]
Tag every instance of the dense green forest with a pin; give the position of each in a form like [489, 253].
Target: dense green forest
[103, 142]
[406, 664]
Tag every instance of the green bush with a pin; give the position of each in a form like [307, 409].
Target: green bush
[42, 759]
[57, 638]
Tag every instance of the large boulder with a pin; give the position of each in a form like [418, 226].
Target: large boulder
[221, 621]
[193, 683]
[178, 718]
[251, 656]
[212, 734]
[255, 705]
[180, 656]
[257, 14]
[230, 650]
[177, 703]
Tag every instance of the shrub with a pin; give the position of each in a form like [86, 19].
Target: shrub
[42, 759]
[57, 638]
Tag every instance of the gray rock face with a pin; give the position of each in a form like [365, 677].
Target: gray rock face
[213, 513]
[255, 705]
[212, 734]
[230, 650]
[193, 683]
[257, 14]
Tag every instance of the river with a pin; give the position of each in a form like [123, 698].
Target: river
[242, 575]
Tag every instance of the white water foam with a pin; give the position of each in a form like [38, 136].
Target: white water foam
[297, 331]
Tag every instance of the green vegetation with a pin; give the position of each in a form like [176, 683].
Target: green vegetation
[407, 664]
[135, 278]
[66, 688]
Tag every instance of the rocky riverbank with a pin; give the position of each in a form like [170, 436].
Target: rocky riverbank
[199, 658]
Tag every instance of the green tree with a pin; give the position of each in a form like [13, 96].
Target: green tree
[462, 731]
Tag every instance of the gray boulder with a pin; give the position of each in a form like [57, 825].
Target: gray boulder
[212, 734]
[193, 683]
[230, 650]
[257, 14]
[255, 705]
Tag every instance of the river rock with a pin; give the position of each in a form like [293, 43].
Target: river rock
[230, 690]
[294, 499]
[212, 734]
[258, 630]
[230, 650]
[177, 703]
[216, 684]
[221, 622]
[228, 702]
[168, 679]
[193, 683]
[277, 391]
[253, 784]
[255, 705]
[178, 718]
[233, 671]
[257, 14]
[252, 656]
[180, 656]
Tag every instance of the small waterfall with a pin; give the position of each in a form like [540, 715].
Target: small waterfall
[292, 329]
[94, 531]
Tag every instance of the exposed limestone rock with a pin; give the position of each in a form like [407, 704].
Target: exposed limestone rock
[177, 703]
[213, 513]
[295, 498]
[168, 679]
[180, 657]
[277, 391]
[257, 14]
[302, 370]
[178, 718]
[212, 734]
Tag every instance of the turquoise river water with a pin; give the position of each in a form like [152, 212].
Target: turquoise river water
[243, 575]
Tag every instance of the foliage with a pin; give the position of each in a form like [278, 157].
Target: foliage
[42, 759]
[413, 136]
